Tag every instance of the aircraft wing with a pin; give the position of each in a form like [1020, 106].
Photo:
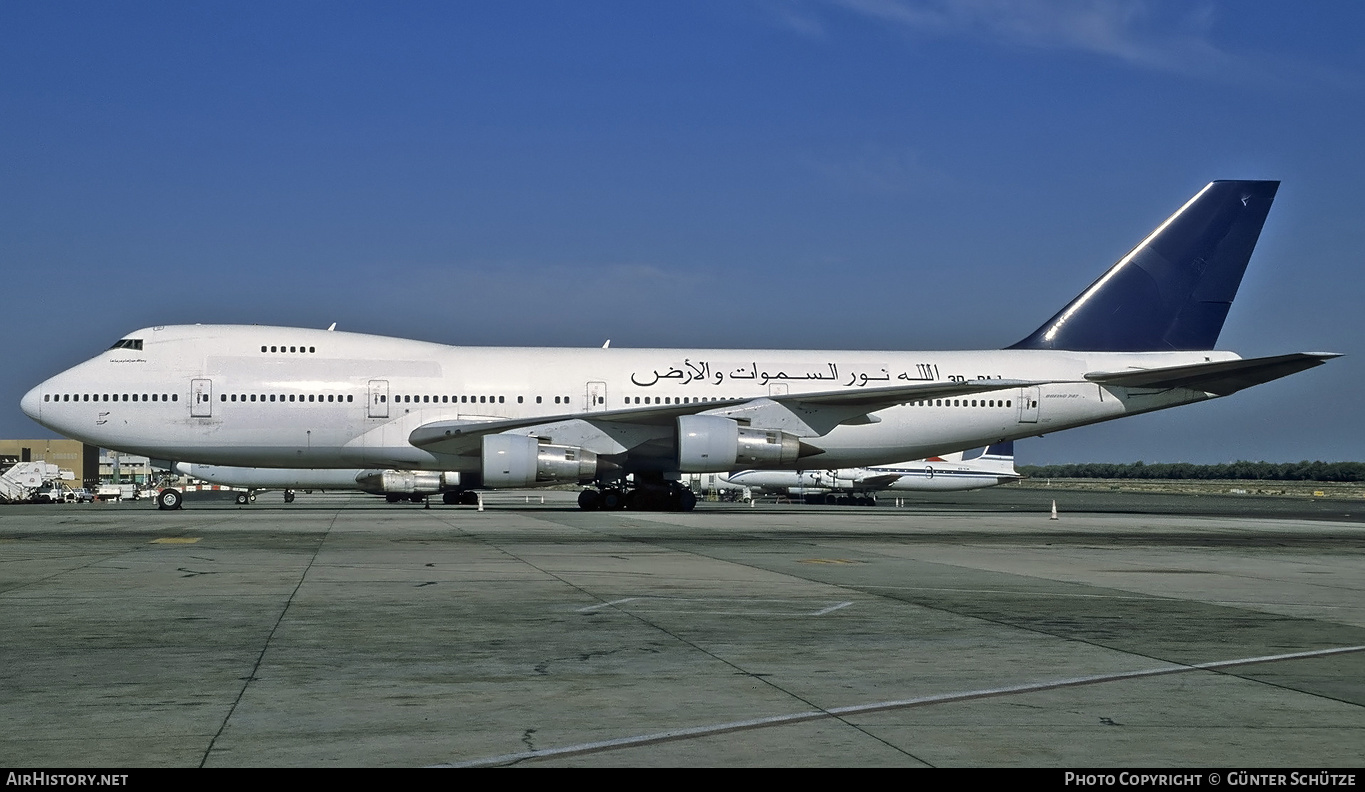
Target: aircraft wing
[880, 482]
[1220, 378]
[458, 436]
[809, 414]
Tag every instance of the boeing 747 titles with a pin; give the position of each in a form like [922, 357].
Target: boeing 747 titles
[631, 422]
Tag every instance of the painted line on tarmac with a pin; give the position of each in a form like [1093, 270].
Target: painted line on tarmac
[601, 605]
[655, 605]
[1018, 592]
[883, 706]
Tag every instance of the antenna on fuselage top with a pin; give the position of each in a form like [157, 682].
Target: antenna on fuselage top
[604, 346]
[333, 327]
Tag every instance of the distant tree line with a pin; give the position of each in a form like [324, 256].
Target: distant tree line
[1258, 471]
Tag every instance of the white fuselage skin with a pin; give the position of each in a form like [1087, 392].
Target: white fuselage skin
[209, 394]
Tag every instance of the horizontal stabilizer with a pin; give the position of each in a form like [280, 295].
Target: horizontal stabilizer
[1219, 378]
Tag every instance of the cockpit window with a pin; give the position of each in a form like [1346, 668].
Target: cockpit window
[128, 343]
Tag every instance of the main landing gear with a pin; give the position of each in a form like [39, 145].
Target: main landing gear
[649, 494]
[458, 498]
[413, 497]
[450, 498]
[249, 497]
[842, 499]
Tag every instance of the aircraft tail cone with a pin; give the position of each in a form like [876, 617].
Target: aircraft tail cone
[1054, 511]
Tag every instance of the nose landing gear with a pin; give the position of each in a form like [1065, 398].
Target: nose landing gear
[169, 499]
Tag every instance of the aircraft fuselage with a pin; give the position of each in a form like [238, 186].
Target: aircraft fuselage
[302, 398]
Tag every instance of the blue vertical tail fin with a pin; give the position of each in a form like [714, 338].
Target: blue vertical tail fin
[1003, 450]
[1172, 291]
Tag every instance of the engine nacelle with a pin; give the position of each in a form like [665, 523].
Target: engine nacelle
[713, 444]
[521, 461]
[407, 482]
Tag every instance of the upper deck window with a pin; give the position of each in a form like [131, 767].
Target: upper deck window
[127, 343]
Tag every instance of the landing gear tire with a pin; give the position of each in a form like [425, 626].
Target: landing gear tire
[637, 500]
[687, 500]
[469, 498]
[391, 498]
[288, 497]
[169, 499]
[450, 498]
[589, 500]
[612, 499]
[242, 499]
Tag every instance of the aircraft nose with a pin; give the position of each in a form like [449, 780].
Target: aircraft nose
[32, 403]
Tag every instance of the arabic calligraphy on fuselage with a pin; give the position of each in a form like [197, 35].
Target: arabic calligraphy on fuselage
[708, 373]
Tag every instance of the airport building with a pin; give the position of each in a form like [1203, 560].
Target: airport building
[120, 468]
[81, 459]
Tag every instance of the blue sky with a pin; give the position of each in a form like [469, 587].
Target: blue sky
[824, 174]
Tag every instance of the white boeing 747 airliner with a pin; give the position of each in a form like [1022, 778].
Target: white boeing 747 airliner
[1139, 339]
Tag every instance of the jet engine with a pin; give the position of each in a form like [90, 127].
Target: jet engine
[713, 444]
[407, 482]
[521, 461]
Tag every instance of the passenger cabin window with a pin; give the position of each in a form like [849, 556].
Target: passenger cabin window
[284, 349]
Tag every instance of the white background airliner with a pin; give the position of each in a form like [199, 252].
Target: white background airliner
[948, 473]
[1139, 339]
